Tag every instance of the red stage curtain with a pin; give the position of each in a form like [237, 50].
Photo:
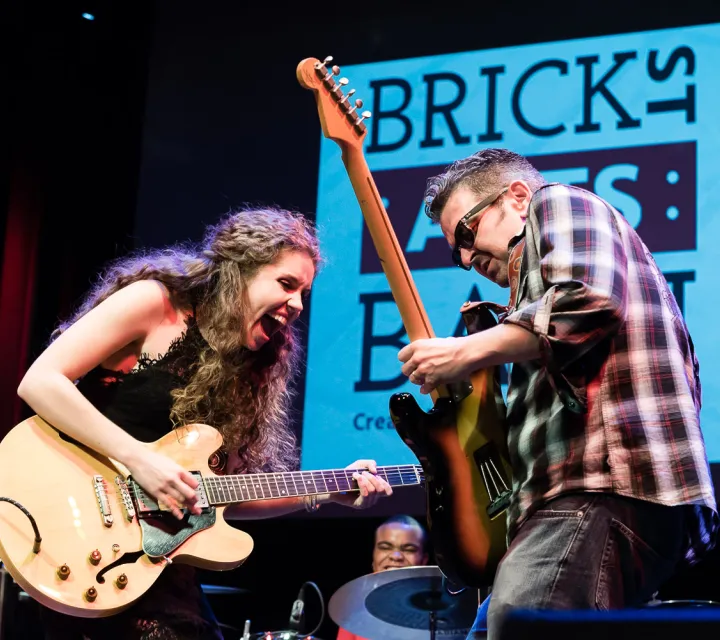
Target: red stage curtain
[17, 280]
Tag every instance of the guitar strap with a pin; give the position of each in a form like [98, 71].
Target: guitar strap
[477, 316]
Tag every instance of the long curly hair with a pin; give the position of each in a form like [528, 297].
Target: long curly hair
[244, 394]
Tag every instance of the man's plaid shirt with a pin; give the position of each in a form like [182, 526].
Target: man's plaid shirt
[613, 404]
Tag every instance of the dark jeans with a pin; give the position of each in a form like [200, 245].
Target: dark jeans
[586, 551]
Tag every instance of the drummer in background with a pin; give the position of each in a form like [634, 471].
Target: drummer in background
[400, 541]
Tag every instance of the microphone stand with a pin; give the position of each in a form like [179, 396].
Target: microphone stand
[433, 624]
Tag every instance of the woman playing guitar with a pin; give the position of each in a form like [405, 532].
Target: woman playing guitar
[185, 336]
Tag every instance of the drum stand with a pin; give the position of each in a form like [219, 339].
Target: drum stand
[433, 624]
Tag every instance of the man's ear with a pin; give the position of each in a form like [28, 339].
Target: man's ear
[519, 194]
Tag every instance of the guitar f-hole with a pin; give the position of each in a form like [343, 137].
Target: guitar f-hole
[125, 558]
[489, 465]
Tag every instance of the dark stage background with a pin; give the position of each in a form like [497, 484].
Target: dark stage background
[70, 179]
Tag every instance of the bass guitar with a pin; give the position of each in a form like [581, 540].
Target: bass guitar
[80, 536]
[461, 442]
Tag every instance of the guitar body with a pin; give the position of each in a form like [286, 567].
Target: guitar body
[454, 443]
[55, 480]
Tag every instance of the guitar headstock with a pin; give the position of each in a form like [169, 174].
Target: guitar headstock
[338, 113]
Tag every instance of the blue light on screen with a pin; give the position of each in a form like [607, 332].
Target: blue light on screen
[631, 117]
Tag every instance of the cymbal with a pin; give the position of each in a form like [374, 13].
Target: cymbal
[397, 605]
[220, 590]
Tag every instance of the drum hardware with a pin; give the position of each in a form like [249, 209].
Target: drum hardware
[221, 590]
[295, 623]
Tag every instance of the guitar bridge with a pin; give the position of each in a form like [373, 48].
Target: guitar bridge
[491, 469]
[102, 498]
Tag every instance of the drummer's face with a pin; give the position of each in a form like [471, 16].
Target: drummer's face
[398, 545]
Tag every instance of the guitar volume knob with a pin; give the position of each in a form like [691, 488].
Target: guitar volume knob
[95, 557]
[121, 581]
[63, 572]
[91, 594]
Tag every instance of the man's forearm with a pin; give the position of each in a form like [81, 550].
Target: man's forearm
[502, 344]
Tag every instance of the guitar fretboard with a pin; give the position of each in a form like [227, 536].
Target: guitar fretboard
[261, 486]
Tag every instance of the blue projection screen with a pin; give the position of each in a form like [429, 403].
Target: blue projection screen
[634, 118]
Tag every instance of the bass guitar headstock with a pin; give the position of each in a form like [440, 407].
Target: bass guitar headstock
[340, 118]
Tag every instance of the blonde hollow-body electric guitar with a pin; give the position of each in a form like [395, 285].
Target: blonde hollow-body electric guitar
[82, 538]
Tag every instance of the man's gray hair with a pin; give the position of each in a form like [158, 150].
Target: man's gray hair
[485, 172]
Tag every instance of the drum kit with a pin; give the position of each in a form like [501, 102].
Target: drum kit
[409, 603]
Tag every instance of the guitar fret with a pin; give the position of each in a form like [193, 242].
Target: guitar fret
[249, 489]
[210, 490]
[292, 486]
[309, 483]
[229, 488]
[273, 484]
[217, 487]
[223, 493]
[237, 482]
[348, 480]
[318, 475]
[398, 473]
[290, 481]
[286, 488]
[237, 489]
[261, 488]
[330, 482]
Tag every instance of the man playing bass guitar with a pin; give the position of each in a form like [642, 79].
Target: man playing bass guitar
[611, 484]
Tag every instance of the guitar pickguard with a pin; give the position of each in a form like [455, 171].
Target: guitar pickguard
[164, 533]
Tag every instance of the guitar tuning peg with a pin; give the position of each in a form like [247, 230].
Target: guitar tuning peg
[358, 103]
[343, 81]
[344, 102]
[327, 60]
[365, 115]
[334, 71]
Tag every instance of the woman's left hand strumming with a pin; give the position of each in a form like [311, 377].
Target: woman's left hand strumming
[370, 487]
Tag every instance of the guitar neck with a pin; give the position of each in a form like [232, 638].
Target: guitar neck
[388, 248]
[233, 489]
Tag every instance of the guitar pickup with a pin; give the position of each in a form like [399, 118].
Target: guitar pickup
[202, 499]
[147, 507]
[125, 497]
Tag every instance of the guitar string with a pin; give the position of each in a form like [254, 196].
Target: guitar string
[392, 474]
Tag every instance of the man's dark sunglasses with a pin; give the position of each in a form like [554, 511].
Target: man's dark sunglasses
[464, 235]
